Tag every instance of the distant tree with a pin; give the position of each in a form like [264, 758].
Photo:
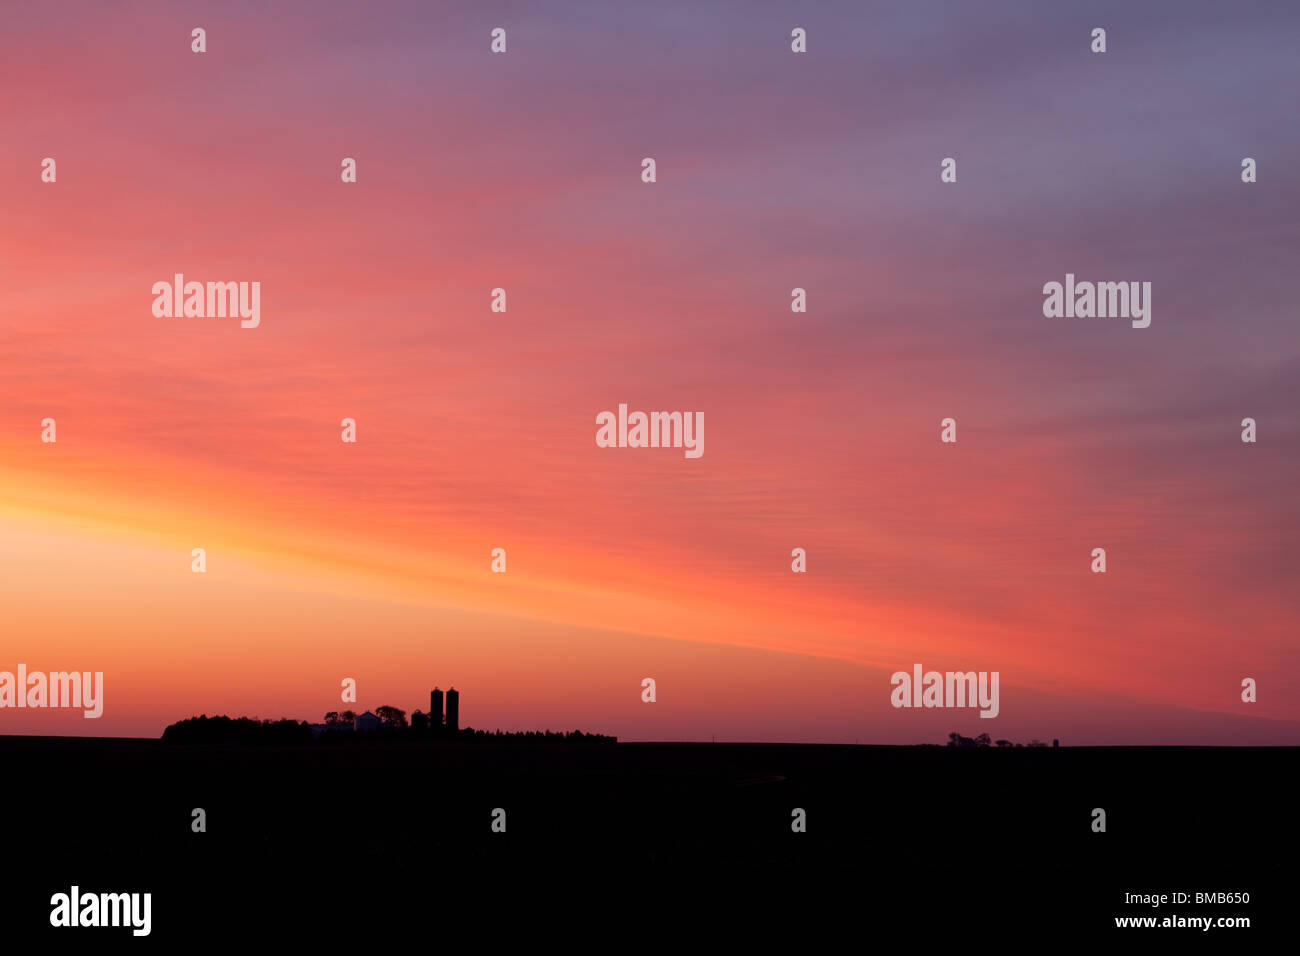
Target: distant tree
[332, 717]
[1035, 743]
[348, 717]
[392, 716]
[240, 730]
[1002, 743]
[982, 740]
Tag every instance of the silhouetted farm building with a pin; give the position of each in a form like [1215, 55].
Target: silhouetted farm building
[453, 710]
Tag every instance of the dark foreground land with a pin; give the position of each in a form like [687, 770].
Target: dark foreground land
[615, 843]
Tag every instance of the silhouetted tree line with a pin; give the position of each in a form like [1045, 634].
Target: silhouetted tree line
[250, 730]
[957, 740]
[240, 730]
[391, 730]
[540, 736]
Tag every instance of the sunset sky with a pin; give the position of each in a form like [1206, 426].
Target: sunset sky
[476, 429]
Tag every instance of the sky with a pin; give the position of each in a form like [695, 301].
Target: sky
[475, 429]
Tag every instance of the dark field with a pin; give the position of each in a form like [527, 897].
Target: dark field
[388, 839]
